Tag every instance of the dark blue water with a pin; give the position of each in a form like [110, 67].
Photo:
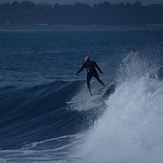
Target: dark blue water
[36, 76]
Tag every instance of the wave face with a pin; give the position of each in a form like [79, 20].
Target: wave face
[37, 120]
[123, 123]
[36, 113]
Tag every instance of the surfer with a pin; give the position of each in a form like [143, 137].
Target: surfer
[91, 72]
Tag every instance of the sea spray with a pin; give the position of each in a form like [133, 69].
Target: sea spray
[134, 66]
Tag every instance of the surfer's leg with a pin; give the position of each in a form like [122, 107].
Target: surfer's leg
[98, 79]
[88, 83]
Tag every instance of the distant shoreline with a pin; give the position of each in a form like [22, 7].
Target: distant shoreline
[71, 27]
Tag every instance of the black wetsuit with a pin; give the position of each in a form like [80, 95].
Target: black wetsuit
[91, 72]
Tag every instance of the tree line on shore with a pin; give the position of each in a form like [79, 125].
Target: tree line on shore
[103, 14]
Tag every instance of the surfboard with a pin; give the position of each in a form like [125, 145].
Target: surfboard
[79, 100]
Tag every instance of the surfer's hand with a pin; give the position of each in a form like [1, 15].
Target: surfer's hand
[75, 73]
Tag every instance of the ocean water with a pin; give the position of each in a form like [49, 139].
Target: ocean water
[36, 79]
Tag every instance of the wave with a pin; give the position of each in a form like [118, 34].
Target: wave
[39, 113]
[124, 124]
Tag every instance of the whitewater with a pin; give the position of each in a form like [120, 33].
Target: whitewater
[130, 130]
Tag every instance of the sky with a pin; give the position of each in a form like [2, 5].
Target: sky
[90, 2]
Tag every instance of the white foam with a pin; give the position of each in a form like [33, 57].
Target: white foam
[131, 129]
[85, 101]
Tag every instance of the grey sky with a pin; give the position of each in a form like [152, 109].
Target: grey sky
[90, 2]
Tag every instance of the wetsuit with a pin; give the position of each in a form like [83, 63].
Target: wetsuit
[91, 72]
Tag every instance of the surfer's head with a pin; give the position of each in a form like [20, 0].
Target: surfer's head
[86, 59]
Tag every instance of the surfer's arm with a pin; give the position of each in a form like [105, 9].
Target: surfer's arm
[80, 69]
[98, 67]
